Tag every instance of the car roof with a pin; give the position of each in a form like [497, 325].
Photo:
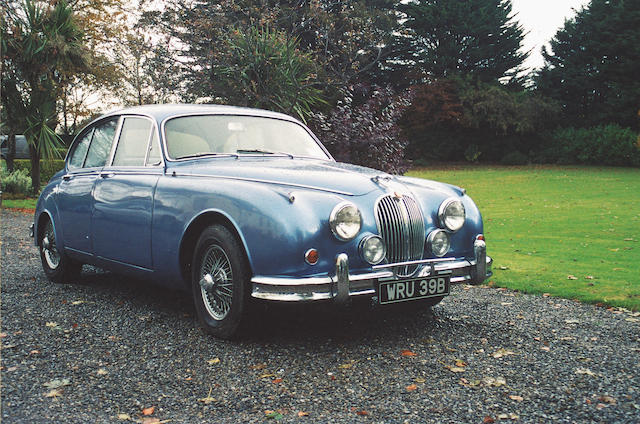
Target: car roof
[164, 111]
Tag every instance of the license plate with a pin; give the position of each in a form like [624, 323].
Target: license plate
[417, 288]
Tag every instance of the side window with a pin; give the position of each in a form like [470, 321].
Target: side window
[154, 158]
[101, 144]
[134, 139]
[80, 151]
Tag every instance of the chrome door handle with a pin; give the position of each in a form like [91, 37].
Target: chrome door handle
[66, 177]
[107, 175]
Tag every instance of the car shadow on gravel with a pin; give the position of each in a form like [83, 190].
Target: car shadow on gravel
[288, 323]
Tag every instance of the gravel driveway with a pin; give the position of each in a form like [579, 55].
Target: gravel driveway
[110, 349]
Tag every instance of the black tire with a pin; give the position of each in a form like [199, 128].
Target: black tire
[220, 282]
[57, 266]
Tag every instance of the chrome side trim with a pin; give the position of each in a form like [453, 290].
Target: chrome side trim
[282, 281]
[257, 180]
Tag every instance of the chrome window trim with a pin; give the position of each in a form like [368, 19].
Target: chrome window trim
[165, 148]
[154, 127]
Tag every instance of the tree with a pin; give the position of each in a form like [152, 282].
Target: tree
[444, 38]
[265, 69]
[41, 42]
[592, 65]
[346, 39]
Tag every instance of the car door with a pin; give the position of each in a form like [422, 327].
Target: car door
[123, 195]
[88, 155]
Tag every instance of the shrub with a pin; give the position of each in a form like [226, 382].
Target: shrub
[17, 182]
[514, 158]
[362, 129]
[47, 168]
[601, 145]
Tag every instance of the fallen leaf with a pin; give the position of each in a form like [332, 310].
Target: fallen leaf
[206, 400]
[585, 371]
[571, 277]
[407, 353]
[3, 335]
[58, 382]
[419, 380]
[494, 382]
[411, 387]
[363, 412]
[273, 415]
[546, 294]
[78, 302]
[502, 352]
[303, 414]
[259, 366]
[506, 303]
[545, 348]
[460, 363]
[504, 268]
[488, 420]
[53, 393]
[589, 277]
[148, 411]
[346, 366]
[34, 352]
[102, 371]
[601, 406]
[124, 417]
[277, 380]
[516, 398]
[150, 420]
[632, 319]
[509, 416]
[51, 324]
[454, 369]
[607, 399]
[213, 361]
[267, 375]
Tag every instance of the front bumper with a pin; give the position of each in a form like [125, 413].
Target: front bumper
[343, 285]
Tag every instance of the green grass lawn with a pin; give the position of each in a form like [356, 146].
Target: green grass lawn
[19, 203]
[572, 232]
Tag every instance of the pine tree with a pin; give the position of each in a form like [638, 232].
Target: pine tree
[593, 63]
[444, 38]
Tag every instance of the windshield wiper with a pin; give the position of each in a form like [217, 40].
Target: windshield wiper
[201, 154]
[264, 152]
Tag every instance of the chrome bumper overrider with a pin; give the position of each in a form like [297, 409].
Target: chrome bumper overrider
[343, 285]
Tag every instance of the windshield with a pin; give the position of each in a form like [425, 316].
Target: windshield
[201, 135]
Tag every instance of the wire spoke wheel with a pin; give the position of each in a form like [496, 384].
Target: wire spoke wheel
[49, 247]
[216, 282]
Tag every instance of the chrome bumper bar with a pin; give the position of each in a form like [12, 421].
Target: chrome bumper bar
[343, 285]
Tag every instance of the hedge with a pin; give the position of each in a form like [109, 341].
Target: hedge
[47, 168]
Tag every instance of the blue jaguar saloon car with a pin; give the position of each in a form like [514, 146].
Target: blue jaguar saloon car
[235, 204]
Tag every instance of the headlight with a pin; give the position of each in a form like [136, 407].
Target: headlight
[438, 242]
[451, 214]
[345, 221]
[372, 249]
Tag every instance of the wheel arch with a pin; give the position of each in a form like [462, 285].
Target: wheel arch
[40, 222]
[193, 231]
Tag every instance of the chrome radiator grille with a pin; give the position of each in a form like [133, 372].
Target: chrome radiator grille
[401, 226]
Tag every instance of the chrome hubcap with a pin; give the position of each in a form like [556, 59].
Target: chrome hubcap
[216, 282]
[49, 248]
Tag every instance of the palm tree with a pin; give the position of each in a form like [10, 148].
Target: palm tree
[40, 43]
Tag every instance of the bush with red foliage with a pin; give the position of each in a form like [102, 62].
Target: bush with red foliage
[363, 128]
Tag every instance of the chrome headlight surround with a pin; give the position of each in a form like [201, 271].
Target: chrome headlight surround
[451, 214]
[345, 221]
[438, 242]
[372, 249]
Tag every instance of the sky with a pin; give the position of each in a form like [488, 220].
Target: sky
[542, 19]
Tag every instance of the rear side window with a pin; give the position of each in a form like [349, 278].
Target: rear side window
[80, 151]
[101, 144]
[133, 143]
